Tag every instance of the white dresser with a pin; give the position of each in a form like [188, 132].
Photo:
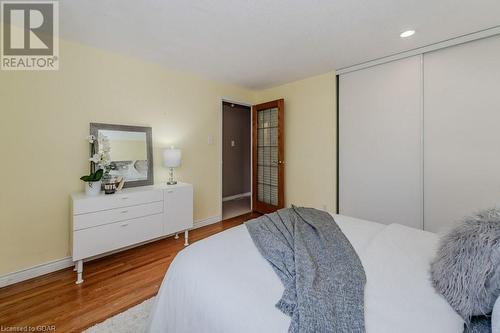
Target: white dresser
[107, 223]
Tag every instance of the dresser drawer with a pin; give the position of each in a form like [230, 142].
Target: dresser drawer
[178, 209]
[89, 220]
[98, 240]
[119, 200]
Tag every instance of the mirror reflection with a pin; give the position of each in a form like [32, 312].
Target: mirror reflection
[127, 152]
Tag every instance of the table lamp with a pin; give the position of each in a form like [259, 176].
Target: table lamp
[171, 160]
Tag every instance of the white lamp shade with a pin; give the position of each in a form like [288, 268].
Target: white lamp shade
[171, 158]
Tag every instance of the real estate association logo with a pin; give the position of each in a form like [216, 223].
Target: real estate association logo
[30, 35]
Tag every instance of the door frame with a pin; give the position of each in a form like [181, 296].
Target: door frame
[221, 150]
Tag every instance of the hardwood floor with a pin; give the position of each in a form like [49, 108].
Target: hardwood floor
[112, 285]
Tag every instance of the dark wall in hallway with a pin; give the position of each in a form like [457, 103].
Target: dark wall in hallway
[236, 159]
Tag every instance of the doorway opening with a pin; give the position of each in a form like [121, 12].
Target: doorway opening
[236, 159]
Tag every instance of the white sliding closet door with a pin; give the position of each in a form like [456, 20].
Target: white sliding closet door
[380, 143]
[462, 131]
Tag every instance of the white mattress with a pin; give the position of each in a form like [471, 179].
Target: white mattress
[222, 284]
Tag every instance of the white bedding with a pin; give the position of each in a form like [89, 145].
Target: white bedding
[222, 284]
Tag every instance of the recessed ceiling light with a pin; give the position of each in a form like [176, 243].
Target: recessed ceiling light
[407, 33]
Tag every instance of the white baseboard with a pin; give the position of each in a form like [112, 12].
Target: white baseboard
[237, 196]
[207, 221]
[63, 263]
[35, 271]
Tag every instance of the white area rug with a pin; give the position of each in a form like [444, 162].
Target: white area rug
[134, 320]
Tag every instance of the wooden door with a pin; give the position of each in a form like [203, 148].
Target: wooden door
[268, 156]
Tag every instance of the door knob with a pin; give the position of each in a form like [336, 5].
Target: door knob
[281, 162]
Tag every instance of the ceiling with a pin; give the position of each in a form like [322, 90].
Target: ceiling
[262, 43]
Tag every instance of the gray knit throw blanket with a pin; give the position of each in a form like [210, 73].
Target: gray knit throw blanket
[323, 276]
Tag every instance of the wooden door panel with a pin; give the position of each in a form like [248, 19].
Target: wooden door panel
[268, 156]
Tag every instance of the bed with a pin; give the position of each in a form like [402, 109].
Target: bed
[223, 284]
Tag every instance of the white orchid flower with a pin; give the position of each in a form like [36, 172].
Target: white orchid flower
[103, 157]
[96, 158]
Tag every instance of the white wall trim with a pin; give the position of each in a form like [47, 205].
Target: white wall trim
[429, 48]
[56, 265]
[234, 101]
[237, 196]
[204, 222]
[35, 271]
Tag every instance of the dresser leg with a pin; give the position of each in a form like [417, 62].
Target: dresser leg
[79, 271]
[186, 238]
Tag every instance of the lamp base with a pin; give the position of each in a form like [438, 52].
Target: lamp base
[171, 180]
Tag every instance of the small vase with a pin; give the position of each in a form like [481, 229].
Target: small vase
[93, 188]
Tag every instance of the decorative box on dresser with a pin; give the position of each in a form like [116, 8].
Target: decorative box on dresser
[107, 223]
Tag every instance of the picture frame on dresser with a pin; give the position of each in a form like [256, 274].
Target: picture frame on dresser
[105, 224]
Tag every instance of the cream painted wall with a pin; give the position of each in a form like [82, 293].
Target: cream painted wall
[45, 119]
[310, 140]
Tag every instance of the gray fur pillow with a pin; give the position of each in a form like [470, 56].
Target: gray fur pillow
[466, 270]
